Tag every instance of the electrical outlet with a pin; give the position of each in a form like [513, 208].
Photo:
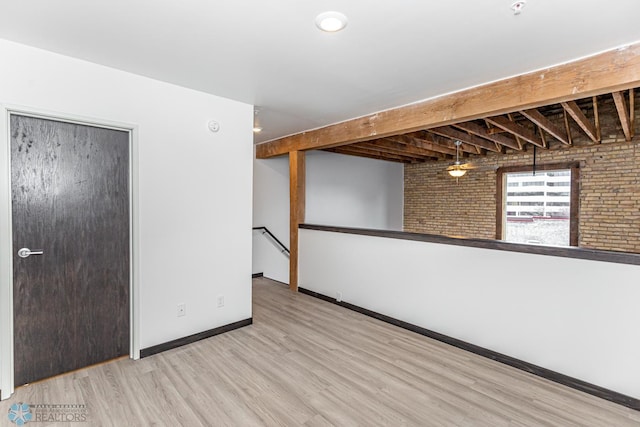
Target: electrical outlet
[182, 310]
[220, 301]
[338, 296]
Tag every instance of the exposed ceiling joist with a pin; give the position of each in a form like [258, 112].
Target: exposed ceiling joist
[463, 148]
[543, 137]
[440, 142]
[411, 149]
[607, 72]
[421, 143]
[576, 113]
[623, 113]
[446, 142]
[491, 130]
[518, 139]
[596, 119]
[399, 149]
[536, 117]
[449, 132]
[567, 126]
[372, 154]
[482, 132]
[516, 129]
[632, 111]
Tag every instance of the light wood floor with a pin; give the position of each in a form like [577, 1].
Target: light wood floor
[305, 362]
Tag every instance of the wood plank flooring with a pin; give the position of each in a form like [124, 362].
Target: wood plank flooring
[306, 362]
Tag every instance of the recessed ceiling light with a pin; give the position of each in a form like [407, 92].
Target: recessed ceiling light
[257, 129]
[331, 21]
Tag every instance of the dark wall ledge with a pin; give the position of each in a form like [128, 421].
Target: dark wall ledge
[567, 252]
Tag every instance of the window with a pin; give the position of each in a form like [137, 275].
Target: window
[546, 212]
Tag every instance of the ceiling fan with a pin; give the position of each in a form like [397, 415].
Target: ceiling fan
[458, 169]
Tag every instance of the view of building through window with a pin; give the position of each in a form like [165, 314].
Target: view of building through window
[537, 207]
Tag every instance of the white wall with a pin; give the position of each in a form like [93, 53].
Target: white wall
[340, 190]
[271, 210]
[194, 186]
[576, 317]
[354, 191]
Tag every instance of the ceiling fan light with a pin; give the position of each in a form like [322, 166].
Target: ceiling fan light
[457, 173]
[456, 169]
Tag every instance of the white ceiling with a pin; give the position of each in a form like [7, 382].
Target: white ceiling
[269, 52]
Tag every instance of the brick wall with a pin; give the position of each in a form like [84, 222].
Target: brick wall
[609, 211]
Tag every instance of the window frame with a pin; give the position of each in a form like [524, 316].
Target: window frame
[501, 191]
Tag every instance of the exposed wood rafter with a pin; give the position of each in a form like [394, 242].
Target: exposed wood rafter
[518, 139]
[576, 113]
[450, 143]
[430, 145]
[611, 71]
[393, 147]
[493, 130]
[449, 132]
[596, 118]
[623, 113]
[410, 149]
[483, 132]
[632, 111]
[543, 137]
[352, 150]
[536, 117]
[516, 129]
[567, 126]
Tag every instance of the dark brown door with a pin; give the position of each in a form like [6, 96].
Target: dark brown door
[70, 199]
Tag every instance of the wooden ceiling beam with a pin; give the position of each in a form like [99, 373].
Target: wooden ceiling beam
[389, 148]
[449, 132]
[381, 152]
[596, 119]
[337, 150]
[406, 148]
[422, 143]
[483, 132]
[446, 142]
[576, 113]
[297, 196]
[516, 129]
[543, 137]
[536, 117]
[632, 111]
[621, 106]
[370, 146]
[350, 150]
[567, 126]
[614, 70]
[518, 139]
[493, 131]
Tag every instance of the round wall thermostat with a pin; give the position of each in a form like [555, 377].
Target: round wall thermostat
[213, 126]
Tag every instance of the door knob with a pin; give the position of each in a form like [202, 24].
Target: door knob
[26, 252]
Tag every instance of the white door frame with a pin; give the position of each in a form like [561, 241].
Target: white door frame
[6, 236]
